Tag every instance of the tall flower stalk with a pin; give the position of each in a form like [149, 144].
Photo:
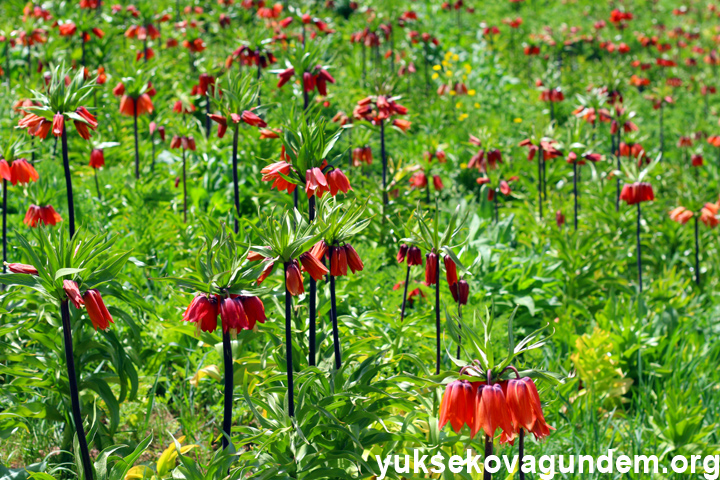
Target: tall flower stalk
[60, 104]
[225, 286]
[304, 163]
[135, 100]
[283, 242]
[70, 269]
[185, 143]
[436, 242]
[707, 215]
[235, 95]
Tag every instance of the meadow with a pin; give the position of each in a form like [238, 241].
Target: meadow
[248, 239]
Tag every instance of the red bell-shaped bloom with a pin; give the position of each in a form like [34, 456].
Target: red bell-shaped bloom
[315, 183]
[353, 259]
[337, 181]
[437, 183]
[402, 253]
[458, 405]
[313, 266]
[73, 293]
[526, 412]
[203, 312]
[272, 173]
[232, 315]
[46, 215]
[269, 267]
[636, 193]
[708, 215]
[492, 411]
[414, 256]
[431, 268]
[97, 158]
[58, 124]
[22, 172]
[460, 292]
[5, 170]
[338, 262]
[319, 250]
[252, 119]
[255, 311]
[450, 270]
[293, 279]
[98, 313]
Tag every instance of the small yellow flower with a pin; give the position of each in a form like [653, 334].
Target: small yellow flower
[477, 105]
[448, 55]
[456, 57]
[518, 120]
[437, 68]
[463, 165]
[435, 76]
[468, 68]
[471, 92]
[458, 105]
[449, 73]
[445, 63]
[453, 93]
[463, 116]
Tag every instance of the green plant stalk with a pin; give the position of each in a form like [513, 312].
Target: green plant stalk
[312, 308]
[575, 191]
[437, 318]
[333, 313]
[404, 301]
[228, 394]
[697, 253]
[383, 155]
[68, 183]
[137, 148]
[288, 348]
[236, 188]
[74, 392]
[97, 185]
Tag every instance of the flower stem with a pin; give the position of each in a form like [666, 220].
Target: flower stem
[4, 225]
[236, 188]
[384, 162]
[137, 149]
[521, 452]
[697, 253]
[288, 348]
[97, 185]
[184, 189]
[407, 280]
[313, 297]
[460, 329]
[74, 393]
[639, 251]
[575, 173]
[437, 317]
[540, 198]
[333, 313]
[488, 452]
[617, 180]
[207, 116]
[228, 363]
[68, 183]
[152, 161]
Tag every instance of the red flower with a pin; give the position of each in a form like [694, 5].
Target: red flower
[697, 160]
[222, 123]
[98, 313]
[293, 279]
[504, 187]
[88, 117]
[315, 183]
[526, 412]
[82, 129]
[269, 267]
[67, 29]
[204, 84]
[273, 171]
[232, 315]
[492, 411]
[97, 158]
[252, 119]
[460, 292]
[22, 268]
[681, 215]
[337, 181]
[285, 76]
[458, 406]
[144, 104]
[402, 253]
[22, 172]
[418, 180]
[203, 312]
[353, 259]
[559, 218]
[431, 268]
[414, 256]
[313, 266]
[338, 262]
[73, 293]
[637, 192]
[708, 215]
[402, 124]
[319, 250]
[255, 311]
[58, 124]
[450, 270]
[47, 215]
[437, 182]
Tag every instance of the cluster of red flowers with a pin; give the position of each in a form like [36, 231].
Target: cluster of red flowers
[316, 182]
[130, 106]
[318, 78]
[187, 143]
[553, 95]
[19, 171]
[420, 180]
[637, 192]
[510, 405]
[236, 312]
[40, 126]
[93, 303]
[45, 215]
[411, 253]
[708, 214]
[381, 108]
[247, 116]
[340, 257]
[362, 155]
[483, 160]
